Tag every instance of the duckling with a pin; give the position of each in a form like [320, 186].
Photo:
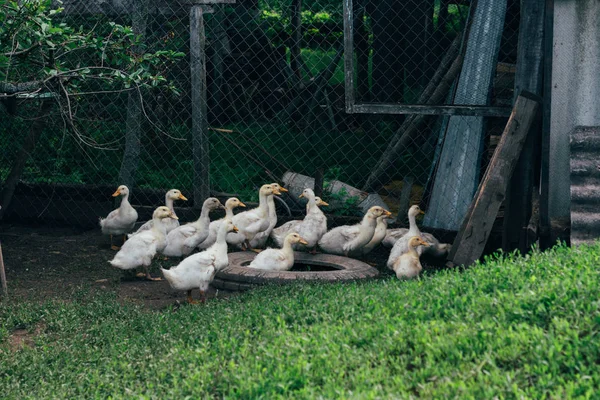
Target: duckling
[311, 228]
[252, 221]
[213, 228]
[398, 238]
[379, 234]
[260, 239]
[198, 270]
[408, 264]
[139, 250]
[349, 239]
[183, 239]
[121, 220]
[278, 259]
[169, 224]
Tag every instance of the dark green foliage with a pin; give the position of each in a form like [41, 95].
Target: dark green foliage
[511, 328]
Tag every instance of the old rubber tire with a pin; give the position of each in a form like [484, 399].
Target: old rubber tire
[239, 277]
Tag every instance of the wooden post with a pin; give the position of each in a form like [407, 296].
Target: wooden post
[199, 118]
[404, 203]
[133, 124]
[295, 58]
[530, 54]
[319, 181]
[477, 224]
[544, 233]
[3, 274]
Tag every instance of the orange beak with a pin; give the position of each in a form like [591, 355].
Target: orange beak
[182, 197]
[242, 204]
[235, 228]
[116, 193]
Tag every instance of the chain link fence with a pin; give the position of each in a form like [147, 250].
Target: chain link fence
[276, 107]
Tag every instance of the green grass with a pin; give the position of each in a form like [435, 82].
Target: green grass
[513, 328]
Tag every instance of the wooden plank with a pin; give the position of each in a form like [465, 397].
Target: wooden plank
[545, 237]
[295, 58]
[349, 55]
[404, 203]
[478, 222]
[530, 55]
[199, 106]
[125, 7]
[3, 275]
[387, 108]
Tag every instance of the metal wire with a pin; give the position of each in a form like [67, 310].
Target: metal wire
[275, 74]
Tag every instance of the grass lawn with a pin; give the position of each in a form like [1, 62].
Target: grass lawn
[512, 328]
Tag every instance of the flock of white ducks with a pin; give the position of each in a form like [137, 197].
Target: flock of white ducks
[251, 230]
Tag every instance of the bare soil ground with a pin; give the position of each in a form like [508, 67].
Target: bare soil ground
[44, 262]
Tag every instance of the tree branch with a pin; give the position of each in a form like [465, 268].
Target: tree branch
[14, 88]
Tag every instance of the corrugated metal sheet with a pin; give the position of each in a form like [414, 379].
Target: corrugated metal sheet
[585, 184]
[458, 174]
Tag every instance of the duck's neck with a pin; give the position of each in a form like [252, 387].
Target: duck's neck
[312, 205]
[169, 202]
[204, 215]
[287, 248]
[413, 229]
[271, 205]
[381, 227]
[228, 212]
[413, 251]
[222, 237]
[367, 228]
[158, 227]
[263, 204]
[125, 201]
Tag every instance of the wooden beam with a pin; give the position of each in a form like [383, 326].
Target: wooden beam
[530, 55]
[404, 203]
[3, 275]
[349, 55]
[199, 106]
[423, 109]
[478, 222]
[544, 233]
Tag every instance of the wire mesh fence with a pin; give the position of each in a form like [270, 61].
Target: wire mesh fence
[276, 104]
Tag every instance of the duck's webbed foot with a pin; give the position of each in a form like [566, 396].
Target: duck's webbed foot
[149, 277]
[189, 298]
[112, 246]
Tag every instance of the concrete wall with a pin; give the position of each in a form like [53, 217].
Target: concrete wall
[575, 89]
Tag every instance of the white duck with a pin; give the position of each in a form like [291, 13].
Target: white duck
[252, 221]
[398, 238]
[311, 228]
[290, 226]
[378, 236]
[278, 259]
[213, 228]
[349, 239]
[260, 239]
[408, 264]
[139, 250]
[183, 239]
[121, 220]
[198, 270]
[169, 224]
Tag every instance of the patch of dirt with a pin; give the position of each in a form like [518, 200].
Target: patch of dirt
[45, 262]
[22, 337]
